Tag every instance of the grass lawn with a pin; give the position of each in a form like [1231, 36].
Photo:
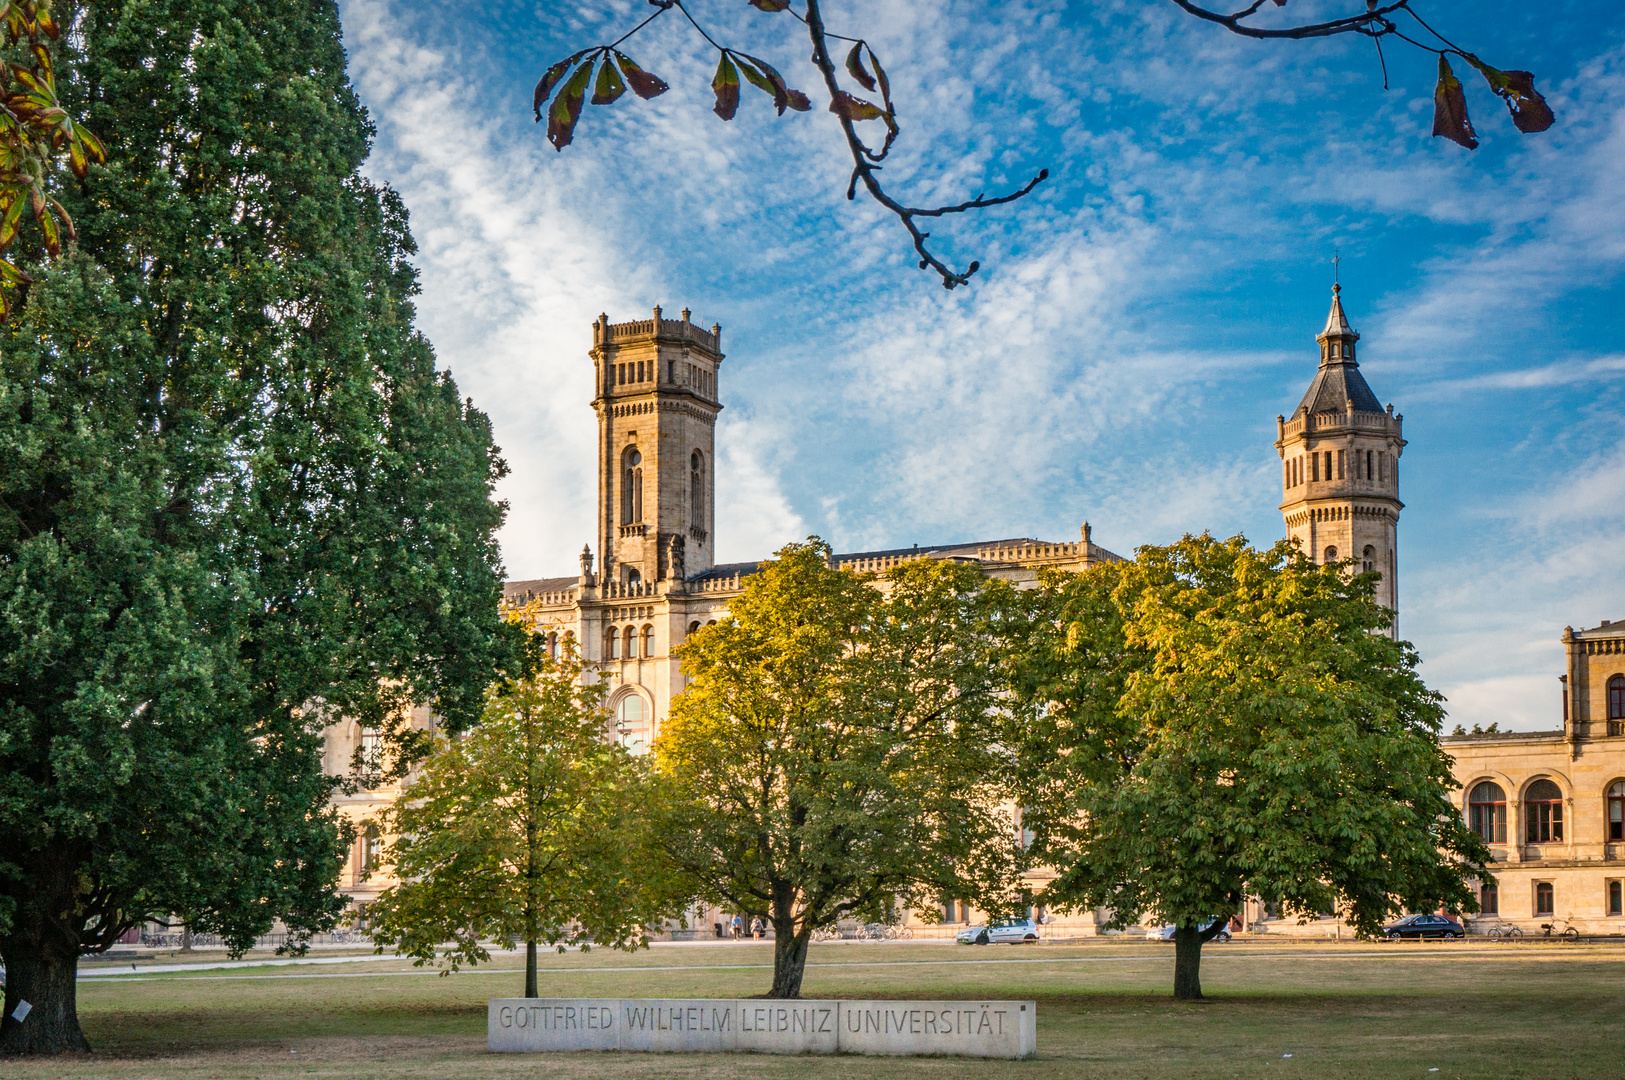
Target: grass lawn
[1546, 1011]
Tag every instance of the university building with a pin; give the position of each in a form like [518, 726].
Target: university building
[649, 578]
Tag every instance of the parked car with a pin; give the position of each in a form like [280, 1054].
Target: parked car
[1011, 931]
[1166, 933]
[1424, 926]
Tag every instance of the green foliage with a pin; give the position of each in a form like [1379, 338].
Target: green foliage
[38, 137]
[533, 827]
[1219, 722]
[837, 751]
[236, 498]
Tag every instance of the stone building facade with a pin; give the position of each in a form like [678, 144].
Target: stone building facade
[653, 580]
[1551, 804]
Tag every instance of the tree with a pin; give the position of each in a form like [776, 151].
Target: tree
[565, 85]
[236, 500]
[837, 754]
[1219, 722]
[535, 826]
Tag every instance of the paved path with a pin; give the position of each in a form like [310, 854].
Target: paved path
[147, 974]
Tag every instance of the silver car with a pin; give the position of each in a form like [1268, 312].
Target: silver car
[1010, 931]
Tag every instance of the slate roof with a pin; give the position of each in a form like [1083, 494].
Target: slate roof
[944, 551]
[1339, 382]
[516, 590]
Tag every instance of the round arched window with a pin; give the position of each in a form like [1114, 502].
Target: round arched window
[1487, 812]
[1616, 810]
[631, 724]
[1543, 810]
[1616, 700]
[1331, 554]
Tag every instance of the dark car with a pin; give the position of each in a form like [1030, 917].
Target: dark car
[1424, 926]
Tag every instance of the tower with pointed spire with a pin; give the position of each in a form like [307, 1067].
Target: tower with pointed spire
[1340, 465]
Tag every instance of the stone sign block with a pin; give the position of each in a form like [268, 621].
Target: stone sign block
[999, 1029]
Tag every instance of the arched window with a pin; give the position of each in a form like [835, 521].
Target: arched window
[1368, 559]
[1368, 473]
[369, 848]
[629, 638]
[372, 755]
[1616, 810]
[694, 626]
[1616, 898]
[1543, 810]
[631, 486]
[1331, 554]
[1487, 812]
[631, 726]
[553, 645]
[634, 576]
[612, 644]
[1543, 898]
[648, 642]
[1489, 897]
[696, 489]
[1616, 699]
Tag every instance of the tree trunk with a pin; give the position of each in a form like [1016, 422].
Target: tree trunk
[789, 957]
[42, 968]
[1187, 963]
[530, 969]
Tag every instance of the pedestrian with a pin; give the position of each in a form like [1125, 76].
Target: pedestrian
[758, 928]
[738, 927]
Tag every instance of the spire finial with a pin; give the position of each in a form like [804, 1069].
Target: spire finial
[1337, 260]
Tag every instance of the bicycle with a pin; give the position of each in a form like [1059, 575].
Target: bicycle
[1567, 933]
[1505, 931]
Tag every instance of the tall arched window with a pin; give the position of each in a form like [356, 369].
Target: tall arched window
[648, 642]
[1368, 559]
[612, 644]
[631, 723]
[631, 486]
[696, 489]
[1616, 705]
[371, 762]
[629, 639]
[553, 645]
[1543, 898]
[369, 848]
[1487, 812]
[1543, 810]
[1616, 810]
[1489, 897]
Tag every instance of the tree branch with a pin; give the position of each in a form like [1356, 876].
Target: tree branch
[864, 167]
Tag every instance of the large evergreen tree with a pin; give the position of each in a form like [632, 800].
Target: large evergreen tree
[236, 498]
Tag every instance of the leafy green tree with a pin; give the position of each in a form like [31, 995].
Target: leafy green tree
[836, 752]
[1217, 722]
[236, 499]
[535, 826]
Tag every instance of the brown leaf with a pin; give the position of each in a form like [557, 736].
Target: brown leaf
[799, 101]
[643, 84]
[1529, 110]
[770, 5]
[549, 80]
[845, 105]
[566, 110]
[726, 85]
[1450, 109]
[609, 86]
[854, 65]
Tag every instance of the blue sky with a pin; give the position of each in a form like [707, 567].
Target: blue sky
[1138, 324]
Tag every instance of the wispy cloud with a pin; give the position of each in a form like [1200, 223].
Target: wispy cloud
[1140, 321]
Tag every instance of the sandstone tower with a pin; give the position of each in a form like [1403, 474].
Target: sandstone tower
[657, 409]
[1340, 464]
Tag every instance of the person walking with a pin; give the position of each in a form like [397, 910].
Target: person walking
[737, 928]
